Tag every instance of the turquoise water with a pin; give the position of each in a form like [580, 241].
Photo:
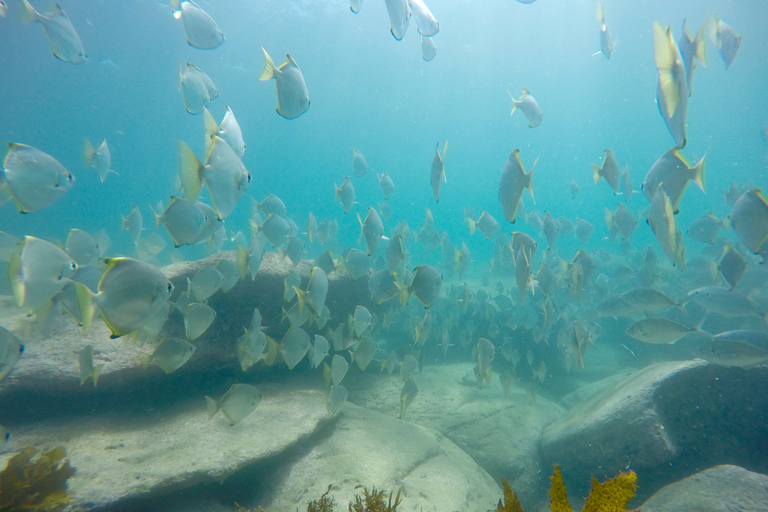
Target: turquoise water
[371, 92]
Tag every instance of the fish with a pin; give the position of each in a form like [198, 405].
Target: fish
[230, 272]
[675, 172]
[749, 218]
[672, 90]
[513, 182]
[386, 185]
[33, 179]
[606, 42]
[659, 331]
[237, 404]
[338, 370]
[87, 370]
[130, 292]
[662, 221]
[206, 282]
[437, 173]
[316, 292]
[270, 205]
[184, 221]
[486, 223]
[721, 300]
[426, 23]
[337, 396]
[61, 33]
[11, 349]
[399, 16]
[528, 105]
[294, 346]
[229, 130]
[170, 355]
[355, 5]
[574, 189]
[100, 159]
[361, 320]
[550, 228]
[395, 254]
[372, 229]
[428, 49]
[275, 229]
[693, 47]
[732, 266]
[346, 193]
[292, 94]
[363, 354]
[198, 317]
[249, 260]
[583, 230]
[382, 286]
[732, 353]
[359, 165]
[407, 394]
[294, 250]
[725, 39]
[706, 228]
[201, 30]
[251, 345]
[318, 351]
[134, 223]
[223, 173]
[622, 222]
[610, 171]
[81, 246]
[356, 262]
[197, 88]
[409, 367]
[38, 272]
[425, 285]
[648, 300]
[756, 338]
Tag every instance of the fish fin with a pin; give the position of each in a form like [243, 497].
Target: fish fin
[273, 349]
[360, 220]
[95, 374]
[529, 184]
[88, 153]
[191, 172]
[445, 149]
[701, 43]
[404, 293]
[664, 55]
[85, 301]
[213, 407]
[211, 129]
[145, 361]
[28, 13]
[472, 225]
[269, 67]
[17, 282]
[714, 34]
[526, 91]
[698, 174]
[241, 260]
[514, 103]
[301, 297]
[597, 172]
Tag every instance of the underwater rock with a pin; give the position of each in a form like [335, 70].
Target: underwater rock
[366, 446]
[722, 488]
[679, 416]
[126, 457]
[501, 433]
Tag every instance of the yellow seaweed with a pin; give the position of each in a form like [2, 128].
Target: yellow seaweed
[511, 502]
[38, 485]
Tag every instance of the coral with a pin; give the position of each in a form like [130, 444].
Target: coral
[373, 501]
[324, 504]
[511, 503]
[39, 485]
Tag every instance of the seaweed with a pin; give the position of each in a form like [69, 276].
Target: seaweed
[324, 504]
[38, 485]
[511, 502]
[373, 501]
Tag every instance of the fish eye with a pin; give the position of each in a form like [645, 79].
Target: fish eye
[170, 287]
[249, 177]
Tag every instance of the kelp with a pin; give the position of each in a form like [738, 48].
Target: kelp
[373, 501]
[323, 504]
[38, 485]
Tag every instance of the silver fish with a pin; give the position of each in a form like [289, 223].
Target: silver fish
[675, 172]
[99, 158]
[514, 181]
[34, 179]
[202, 32]
[197, 88]
[749, 218]
[170, 355]
[386, 185]
[10, 351]
[65, 41]
[528, 105]
[372, 229]
[292, 95]
[359, 165]
[725, 39]
[317, 290]
[399, 16]
[237, 404]
[229, 130]
[346, 193]
[672, 91]
[437, 173]
[610, 171]
[426, 23]
[606, 42]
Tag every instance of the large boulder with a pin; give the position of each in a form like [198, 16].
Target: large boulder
[369, 449]
[501, 433]
[664, 422]
[722, 488]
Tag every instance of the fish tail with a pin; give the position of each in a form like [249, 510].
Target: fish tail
[191, 172]
[241, 260]
[472, 225]
[701, 43]
[597, 173]
[698, 174]
[213, 407]
[85, 302]
[269, 67]
[301, 296]
[95, 374]
[211, 129]
[88, 153]
[28, 13]
[404, 293]
[145, 361]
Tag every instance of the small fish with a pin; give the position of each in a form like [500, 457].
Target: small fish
[338, 393]
[223, 173]
[622, 221]
[206, 282]
[318, 351]
[292, 95]
[359, 165]
[130, 293]
[725, 39]
[648, 299]
[749, 218]
[428, 49]
[372, 229]
[184, 221]
[757, 338]
[706, 228]
[409, 367]
[606, 42]
[527, 104]
[33, 179]
[514, 181]
[317, 290]
[275, 229]
[399, 16]
[381, 286]
[610, 171]
[721, 300]
[65, 41]
[270, 205]
[732, 353]
[295, 345]
[437, 174]
[346, 193]
[250, 346]
[237, 404]
[198, 318]
[583, 230]
[9, 244]
[202, 32]
[486, 224]
[426, 23]
[425, 285]
[10, 351]
[672, 91]
[230, 272]
[87, 370]
[407, 394]
[38, 272]
[574, 189]
[100, 159]
[294, 250]
[659, 331]
[197, 88]
[675, 172]
[661, 218]
[363, 354]
[732, 266]
[229, 130]
[134, 223]
[361, 320]
[356, 262]
[170, 355]
[386, 185]
[81, 246]
[550, 228]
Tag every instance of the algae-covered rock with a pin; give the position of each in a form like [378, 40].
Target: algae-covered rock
[35, 482]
